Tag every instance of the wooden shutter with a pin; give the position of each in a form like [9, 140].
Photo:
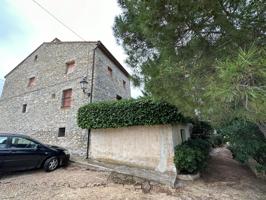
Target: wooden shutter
[67, 98]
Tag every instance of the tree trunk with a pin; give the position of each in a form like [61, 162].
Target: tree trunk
[262, 127]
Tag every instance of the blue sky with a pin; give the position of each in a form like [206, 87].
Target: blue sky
[24, 26]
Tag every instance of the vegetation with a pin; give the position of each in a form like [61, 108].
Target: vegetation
[245, 141]
[191, 156]
[239, 88]
[216, 140]
[206, 57]
[123, 113]
[201, 130]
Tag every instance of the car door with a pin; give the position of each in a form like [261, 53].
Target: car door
[4, 152]
[24, 154]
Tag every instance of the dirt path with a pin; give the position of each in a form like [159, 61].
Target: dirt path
[225, 179]
[222, 167]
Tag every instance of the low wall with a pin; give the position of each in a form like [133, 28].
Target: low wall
[149, 148]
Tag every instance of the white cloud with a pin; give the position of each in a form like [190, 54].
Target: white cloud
[92, 19]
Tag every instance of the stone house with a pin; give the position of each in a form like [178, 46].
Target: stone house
[41, 96]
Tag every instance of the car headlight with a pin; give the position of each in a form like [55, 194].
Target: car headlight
[66, 152]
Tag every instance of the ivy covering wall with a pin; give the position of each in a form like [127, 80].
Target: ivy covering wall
[124, 113]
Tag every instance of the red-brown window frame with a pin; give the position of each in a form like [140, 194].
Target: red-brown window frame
[70, 66]
[32, 81]
[66, 98]
[110, 71]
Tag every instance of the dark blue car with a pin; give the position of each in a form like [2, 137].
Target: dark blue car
[20, 152]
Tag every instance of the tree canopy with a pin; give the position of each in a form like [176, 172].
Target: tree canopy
[196, 53]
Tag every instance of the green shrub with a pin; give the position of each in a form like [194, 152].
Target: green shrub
[123, 113]
[203, 145]
[245, 141]
[191, 156]
[216, 140]
[201, 129]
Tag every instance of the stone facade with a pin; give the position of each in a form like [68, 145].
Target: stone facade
[148, 151]
[44, 113]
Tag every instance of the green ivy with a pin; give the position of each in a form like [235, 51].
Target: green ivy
[124, 113]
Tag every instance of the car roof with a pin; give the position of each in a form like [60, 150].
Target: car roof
[14, 134]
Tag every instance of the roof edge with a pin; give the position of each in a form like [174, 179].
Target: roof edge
[112, 58]
[98, 43]
[23, 60]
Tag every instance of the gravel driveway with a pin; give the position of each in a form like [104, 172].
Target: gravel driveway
[225, 179]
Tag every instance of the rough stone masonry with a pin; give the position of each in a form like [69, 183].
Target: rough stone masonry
[34, 99]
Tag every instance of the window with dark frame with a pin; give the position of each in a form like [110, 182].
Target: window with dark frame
[24, 108]
[62, 132]
[118, 97]
[22, 143]
[35, 57]
[67, 98]
[110, 71]
[70, 66]
[183, 135]
[3, 142]
[32, 82]
[124, 84]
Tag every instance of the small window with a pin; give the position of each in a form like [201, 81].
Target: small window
[67, 98]
[183, 135]
[53, 96]
[62, 132]
[19, 142]
[3, 142]
[24, 108]
[124, 84]
[70, 66]
[35, 57]
[118, 97]
[110, 71]
[32, 82]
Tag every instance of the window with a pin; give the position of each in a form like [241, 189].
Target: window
[24, 108]
[183, 135]
[3, 142]
[124, 84]
[53, 96]
[118, 97]
[110, 71]
[67, 98]
[19, 142]
[70, 66]
[62, 132]
[32, 82]
[35, 57]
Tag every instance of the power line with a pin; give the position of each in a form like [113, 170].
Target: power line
[58, 20]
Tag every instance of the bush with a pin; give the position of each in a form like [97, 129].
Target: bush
[245, 141]
[201, 129]
[203, 145]
[216, 140]
[123, 113]
[191, 156]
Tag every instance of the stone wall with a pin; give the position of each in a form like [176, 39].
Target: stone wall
[44, 115]
[143, 147]
[113, 84]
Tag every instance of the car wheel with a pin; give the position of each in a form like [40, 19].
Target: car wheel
[50, 164]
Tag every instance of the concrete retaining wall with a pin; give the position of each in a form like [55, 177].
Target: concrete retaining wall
[140, 147]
